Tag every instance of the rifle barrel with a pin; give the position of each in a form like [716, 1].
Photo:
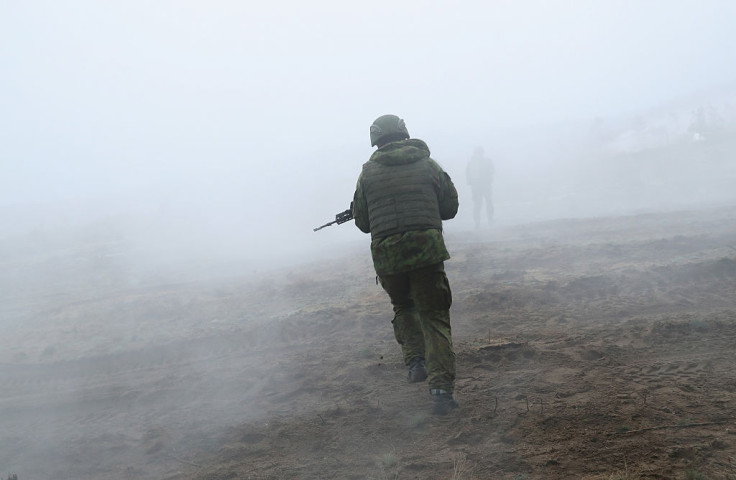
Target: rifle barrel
[325, 225]
[340, 218]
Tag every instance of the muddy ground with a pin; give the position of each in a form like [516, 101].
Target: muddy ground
[587, 349]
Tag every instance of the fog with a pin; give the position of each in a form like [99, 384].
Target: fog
[235, 129]
[145, 143]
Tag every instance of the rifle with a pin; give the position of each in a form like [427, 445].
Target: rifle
[340, 218]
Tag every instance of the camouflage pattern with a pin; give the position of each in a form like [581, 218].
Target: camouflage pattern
[421, 299]
[408, 251]
[401, 198]
[409, 248]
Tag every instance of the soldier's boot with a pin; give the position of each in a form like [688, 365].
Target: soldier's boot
[442, 402]
[417, 370]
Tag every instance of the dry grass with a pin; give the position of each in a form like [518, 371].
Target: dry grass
[461, 467]
[389, 465]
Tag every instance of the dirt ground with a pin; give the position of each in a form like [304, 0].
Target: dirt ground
[587, 349]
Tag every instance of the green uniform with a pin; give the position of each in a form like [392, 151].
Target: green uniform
[401, 198]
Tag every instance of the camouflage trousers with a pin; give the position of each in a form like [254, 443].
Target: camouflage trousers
[421, 299]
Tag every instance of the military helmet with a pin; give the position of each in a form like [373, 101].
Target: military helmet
[387, 126]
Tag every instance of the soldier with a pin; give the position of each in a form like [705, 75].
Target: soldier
[401, 198]
[479, 173]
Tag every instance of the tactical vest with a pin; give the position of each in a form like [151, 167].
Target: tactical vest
[401, 198]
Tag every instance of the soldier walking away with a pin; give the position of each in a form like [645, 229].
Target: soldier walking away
[401, 198]
[479, 173]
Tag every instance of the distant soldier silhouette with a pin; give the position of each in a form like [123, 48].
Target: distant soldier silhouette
[479, 173]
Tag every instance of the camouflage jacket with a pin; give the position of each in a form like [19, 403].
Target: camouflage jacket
[401, 198]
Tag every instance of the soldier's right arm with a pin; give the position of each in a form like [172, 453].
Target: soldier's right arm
[446, 193]
[360, 209]
[448, 198]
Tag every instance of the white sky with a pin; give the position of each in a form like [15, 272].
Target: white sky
[269, 103]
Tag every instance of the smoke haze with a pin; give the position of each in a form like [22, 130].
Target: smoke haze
[149, 150]
[237, 129]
